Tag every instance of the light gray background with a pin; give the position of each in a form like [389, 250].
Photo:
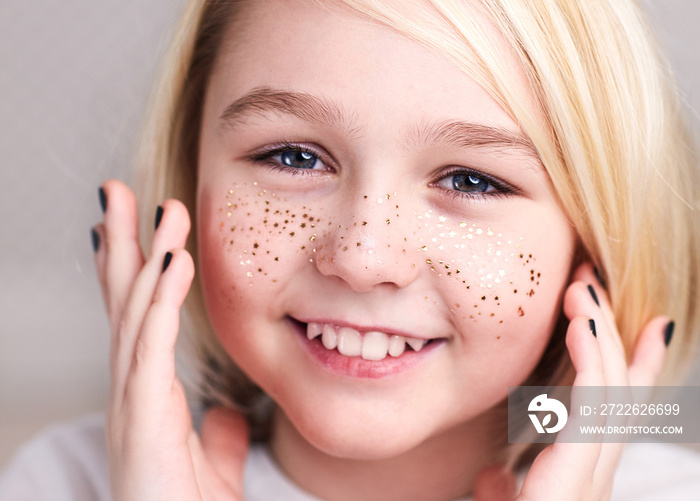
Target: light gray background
[74, 77]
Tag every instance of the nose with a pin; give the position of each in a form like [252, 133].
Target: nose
[368, 244]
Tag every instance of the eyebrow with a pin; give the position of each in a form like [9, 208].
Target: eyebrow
[460, 134]
[263, 101]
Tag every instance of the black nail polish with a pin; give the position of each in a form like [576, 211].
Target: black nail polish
[591, 325]
[166, 260]
[593, 294]
[159, 216]
[103, 199]
[95, 239]
[668, 332]
[596, 272]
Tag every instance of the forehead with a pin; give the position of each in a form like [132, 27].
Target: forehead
[328, 50]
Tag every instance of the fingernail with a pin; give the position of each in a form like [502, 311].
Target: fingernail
[95, 239]
[166, 261]
[159, 216]
[593, 294]
[103, 199]
[668, 332]
[596, 272]
[591, 325]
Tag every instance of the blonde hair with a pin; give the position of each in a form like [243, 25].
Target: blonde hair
[606, 122]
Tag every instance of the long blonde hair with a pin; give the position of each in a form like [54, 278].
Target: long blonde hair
[607, 125]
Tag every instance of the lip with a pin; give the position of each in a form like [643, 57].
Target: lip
[357, 367]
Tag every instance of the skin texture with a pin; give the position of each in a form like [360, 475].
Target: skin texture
[374, 237]
[377, 236]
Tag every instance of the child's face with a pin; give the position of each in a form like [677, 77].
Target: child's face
[354, 183]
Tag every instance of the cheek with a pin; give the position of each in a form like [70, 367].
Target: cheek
[502, 285]
[250, 243]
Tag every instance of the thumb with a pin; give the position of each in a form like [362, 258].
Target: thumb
[494, 483]
[225, 441]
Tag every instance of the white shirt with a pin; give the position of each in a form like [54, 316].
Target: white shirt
[69, 463]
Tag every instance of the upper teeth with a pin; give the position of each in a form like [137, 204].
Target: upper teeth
[370, 346]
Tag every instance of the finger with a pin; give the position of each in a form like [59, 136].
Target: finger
[586, 273]
[565, 470]
[495, 483]
[225, 442]
[123, 257]
[171, 234]
[581, 299]
[650, 352]
[152, 374]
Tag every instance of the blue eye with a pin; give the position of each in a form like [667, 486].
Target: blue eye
[297, 159]
[294, 158]
[470, 183]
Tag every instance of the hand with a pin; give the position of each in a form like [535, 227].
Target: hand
[584, 471]
[154, 451]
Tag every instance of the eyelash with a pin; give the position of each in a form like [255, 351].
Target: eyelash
[265, 155]
[501, 189]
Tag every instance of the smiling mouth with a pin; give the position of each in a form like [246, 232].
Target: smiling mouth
[372, 345]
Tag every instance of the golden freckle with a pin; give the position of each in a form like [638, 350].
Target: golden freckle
[457, 305]
[340, 226]
[274, 280]
[251, 228]
[500, 322]
[413, 265]
[492, 315]
[345, 248]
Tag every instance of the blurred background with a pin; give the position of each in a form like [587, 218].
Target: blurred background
[74, 80]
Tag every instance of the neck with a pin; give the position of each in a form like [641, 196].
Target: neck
[443, 467]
